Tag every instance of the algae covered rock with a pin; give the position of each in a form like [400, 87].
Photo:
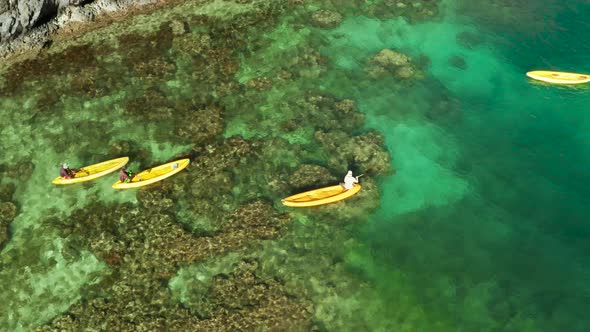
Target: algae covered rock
[323, 111]
[309, 176]
[200, 125]
[155, 199]
[209, 200]
[213, 158]
[346, 106]
[132, 149]
[233, 293]
[388, 61]
[365, 152]
[414, 11]
[326, 19]
[260, 83]
[144, 248]
[256, 220]
[405, 72]
[8, 212]
[6, 191]
[20, 170]
[191, 284]
[178, 27]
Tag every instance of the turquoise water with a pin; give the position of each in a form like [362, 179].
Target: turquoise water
[487, 215]
[482, 224]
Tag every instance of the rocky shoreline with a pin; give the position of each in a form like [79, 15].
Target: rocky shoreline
[29, 26]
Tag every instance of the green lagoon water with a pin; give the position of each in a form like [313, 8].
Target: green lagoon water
[483, 226]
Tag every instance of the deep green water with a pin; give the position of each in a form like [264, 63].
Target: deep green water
[484, 225]
[487, 218]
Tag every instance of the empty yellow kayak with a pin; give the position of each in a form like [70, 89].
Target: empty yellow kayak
[92, 172]
[153, 174]
[321, 196]
[558, 77]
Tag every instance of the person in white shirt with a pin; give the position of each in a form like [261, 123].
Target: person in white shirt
[349, 181]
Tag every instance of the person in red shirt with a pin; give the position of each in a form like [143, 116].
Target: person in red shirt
[66, 172]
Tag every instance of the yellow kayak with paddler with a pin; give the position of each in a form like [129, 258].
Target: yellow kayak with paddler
[92, 172]
[558, 77]
[321, 196]
[153, 174]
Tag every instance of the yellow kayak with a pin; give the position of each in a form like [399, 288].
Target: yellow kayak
[321, 196]
[153, 174]
[558, 77]
[92, 172]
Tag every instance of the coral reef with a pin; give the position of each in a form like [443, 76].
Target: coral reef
[391, 62]
[130, 148]
[325, 113]
[20, 170]
[390, 59]
[8, 212]
[414, 11]
[144, 248]
[6, 191]
[314, 267]
[201, 125]
[248, 113]
[73, 61]
[223, 289]
[308, 176]
[363, 153]
[326, 19]
[260, 83]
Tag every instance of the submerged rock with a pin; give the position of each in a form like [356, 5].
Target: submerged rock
[308, 176]
[326, 19]
[178, 27]
[405, 72]
[7, 213]
[468, 39]
[260, 83]
[238, 291]
[145, 247]
[6, 191]
[458, 62]
[414, 11]
[365, 152]
[200, 126]
[155, 199]
[388, 61]
[346, 106]
[20, 170]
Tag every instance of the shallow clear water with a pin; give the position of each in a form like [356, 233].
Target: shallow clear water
[483, 226]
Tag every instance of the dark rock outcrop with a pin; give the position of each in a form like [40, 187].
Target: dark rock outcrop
[27, 25]
[19, 16]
